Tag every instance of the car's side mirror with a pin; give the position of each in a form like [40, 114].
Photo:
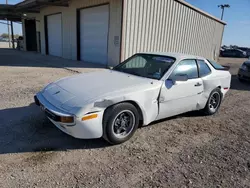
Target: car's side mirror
[111, 68]
[169, 83]
[172, 81]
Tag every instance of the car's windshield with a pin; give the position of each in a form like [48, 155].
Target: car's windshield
[146, 65]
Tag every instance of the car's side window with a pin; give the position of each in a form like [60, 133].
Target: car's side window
[204, 69]
[186, 67]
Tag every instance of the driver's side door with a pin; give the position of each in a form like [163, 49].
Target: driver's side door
[177, 97]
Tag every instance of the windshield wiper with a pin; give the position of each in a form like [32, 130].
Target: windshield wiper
[137, 74]
[134, 73]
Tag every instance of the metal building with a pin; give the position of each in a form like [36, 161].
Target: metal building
[109, 31]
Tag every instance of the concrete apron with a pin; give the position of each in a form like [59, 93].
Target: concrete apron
[37, 59]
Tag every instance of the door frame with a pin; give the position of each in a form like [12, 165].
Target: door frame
[78, 28]
[27, 37]
[46, 31]
[166, 77]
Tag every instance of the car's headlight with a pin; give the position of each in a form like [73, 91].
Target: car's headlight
[69, 119]
[244, 67]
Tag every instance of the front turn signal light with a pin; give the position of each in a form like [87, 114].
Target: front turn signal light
[88, 117]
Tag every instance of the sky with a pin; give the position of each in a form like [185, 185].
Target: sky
[237, 17]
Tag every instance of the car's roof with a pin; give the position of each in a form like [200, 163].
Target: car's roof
[172, 54]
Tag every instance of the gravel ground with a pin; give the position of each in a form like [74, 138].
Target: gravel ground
[189, 150]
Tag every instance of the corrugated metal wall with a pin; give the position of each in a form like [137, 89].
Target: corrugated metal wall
[69, 28]
[167, 25]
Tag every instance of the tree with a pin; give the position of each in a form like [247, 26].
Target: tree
[5, 35]
[16, 36]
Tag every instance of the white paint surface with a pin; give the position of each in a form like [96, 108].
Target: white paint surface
[94, 28]
[96, 91]
[55, 34]
[182, 97]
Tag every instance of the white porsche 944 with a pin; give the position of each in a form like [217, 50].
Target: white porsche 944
[144, 88]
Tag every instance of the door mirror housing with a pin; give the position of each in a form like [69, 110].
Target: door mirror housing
[181, 78]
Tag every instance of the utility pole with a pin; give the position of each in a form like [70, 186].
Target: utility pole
[223, 8]
[12, 35]
[8, 26]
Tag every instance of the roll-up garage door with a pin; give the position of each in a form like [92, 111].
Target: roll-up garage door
[94, 29]
[54, 26]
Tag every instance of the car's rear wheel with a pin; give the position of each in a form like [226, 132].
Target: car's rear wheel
[214, 102]
[120, 123]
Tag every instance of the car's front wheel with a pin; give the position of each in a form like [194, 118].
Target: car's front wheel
[120, 123]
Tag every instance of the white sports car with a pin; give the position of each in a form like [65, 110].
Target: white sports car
[144, 88]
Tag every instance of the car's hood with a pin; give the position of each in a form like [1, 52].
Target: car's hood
[82, 88]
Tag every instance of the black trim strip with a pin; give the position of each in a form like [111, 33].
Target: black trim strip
[78, 34]
[52, 116]
[198, 68]
[121, 33]
[46, 35]
[92, 112]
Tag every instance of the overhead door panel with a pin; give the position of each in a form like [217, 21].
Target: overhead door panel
[54, 26]
[94, 28]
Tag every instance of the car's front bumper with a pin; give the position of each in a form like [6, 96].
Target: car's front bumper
[89, 129]
[245, 75]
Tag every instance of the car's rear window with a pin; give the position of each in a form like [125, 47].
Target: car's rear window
[216, 65]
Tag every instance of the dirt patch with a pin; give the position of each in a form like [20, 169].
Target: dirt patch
[40, 157]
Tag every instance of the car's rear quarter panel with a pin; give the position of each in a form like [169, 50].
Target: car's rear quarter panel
[218, 79]
[225, 79]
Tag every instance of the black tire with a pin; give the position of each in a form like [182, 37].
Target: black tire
[112, 115]
[209, 110]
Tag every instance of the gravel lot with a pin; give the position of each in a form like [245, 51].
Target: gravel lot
[185, 151]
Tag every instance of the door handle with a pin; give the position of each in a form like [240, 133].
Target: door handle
[198, 84]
